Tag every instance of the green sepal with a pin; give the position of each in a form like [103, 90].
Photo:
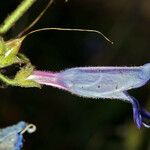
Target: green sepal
[22, 75]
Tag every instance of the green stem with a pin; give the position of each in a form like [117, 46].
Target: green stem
[16, 14]
[7, 80]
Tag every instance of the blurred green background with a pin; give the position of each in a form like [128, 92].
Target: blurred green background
[65, 121]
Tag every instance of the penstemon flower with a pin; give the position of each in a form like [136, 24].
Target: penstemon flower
[100, 82]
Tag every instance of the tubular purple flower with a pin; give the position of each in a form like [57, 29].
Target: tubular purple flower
[46, 78]
[101, 82]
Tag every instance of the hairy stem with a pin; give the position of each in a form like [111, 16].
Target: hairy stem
[15, 16]
[7, 80]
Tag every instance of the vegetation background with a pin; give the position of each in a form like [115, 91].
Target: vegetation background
[65, 121]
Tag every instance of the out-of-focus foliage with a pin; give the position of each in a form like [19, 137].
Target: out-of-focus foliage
[65, 121]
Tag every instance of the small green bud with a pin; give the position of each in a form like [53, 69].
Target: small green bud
[9, 53]
[14, 46]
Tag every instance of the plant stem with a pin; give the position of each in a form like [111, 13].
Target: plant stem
[15, 15]
[7, 80]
